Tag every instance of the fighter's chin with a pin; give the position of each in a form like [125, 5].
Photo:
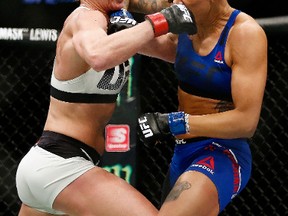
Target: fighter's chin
[120, 2]
[117, 4]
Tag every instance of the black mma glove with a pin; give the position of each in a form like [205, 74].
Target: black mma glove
[120, 20]
[176, 19]
[157, 126]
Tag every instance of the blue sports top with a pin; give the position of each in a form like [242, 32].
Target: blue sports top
[206, 76]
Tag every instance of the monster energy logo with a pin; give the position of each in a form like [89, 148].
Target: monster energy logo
[123, 172]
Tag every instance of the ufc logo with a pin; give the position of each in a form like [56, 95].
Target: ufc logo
[180, 141]
[186, 14]
[145, 128]
[118, 19]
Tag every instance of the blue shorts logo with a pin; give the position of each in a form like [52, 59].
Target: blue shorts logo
[206, 163]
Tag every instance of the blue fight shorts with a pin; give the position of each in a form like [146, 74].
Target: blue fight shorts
[227, 162]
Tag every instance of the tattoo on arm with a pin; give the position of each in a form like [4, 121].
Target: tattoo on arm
[177, 190]
[147, 6]
[223, 106]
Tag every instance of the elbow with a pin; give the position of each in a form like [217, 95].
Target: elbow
[250, 133]
[249, 129]
[99, 63]
[247, 123]
[98, 60]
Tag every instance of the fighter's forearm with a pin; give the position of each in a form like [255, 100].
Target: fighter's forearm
[146, 6]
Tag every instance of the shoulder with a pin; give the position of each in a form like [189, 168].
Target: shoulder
[83, 18]
[246, 39]
[246, 29]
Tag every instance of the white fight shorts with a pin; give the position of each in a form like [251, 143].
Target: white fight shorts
[42, 175]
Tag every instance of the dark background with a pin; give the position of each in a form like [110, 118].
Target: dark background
[26, 67]
[13, 13]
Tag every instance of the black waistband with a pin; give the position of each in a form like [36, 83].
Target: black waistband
[82, 97]
[67, 147]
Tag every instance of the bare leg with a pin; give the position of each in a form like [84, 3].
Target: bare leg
[27, 211]
[98, 192]
[193, 194]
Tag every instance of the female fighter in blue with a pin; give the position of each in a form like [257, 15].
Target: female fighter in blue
[221, 73]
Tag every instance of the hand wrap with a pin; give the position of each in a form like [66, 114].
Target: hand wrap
[120, 20]
[178, 123]
[176, 19]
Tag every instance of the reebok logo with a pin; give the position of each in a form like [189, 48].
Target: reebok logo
[209, 162]
[218, 58]
[206, 163]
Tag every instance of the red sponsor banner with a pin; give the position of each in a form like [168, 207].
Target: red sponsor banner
[117, 138]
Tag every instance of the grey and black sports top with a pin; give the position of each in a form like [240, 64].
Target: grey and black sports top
[92, 86]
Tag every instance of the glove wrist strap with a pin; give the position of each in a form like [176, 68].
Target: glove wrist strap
[159, 23]
[178, 123]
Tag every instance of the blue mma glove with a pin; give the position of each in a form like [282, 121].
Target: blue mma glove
[157, 126]
[120, 20]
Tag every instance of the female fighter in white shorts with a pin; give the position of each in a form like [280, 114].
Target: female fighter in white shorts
[59, 175]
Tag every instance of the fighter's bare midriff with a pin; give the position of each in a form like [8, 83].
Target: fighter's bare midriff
[84, 122]
[196, 105]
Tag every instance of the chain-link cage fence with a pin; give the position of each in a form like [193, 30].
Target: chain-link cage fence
[24, 83]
